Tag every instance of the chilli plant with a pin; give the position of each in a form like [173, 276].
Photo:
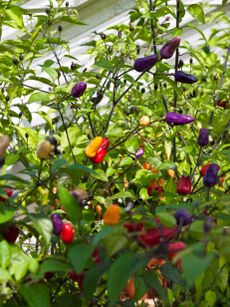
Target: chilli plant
[121, 196]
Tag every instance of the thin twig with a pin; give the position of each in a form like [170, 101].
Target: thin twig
[151, 9]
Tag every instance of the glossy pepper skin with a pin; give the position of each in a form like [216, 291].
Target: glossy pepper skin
[183, 217]
[57, 223]
[211, 178]
[112, 215]
[139, 153]
[174, 248]
[204, 168]
[101, 151]
[203, 137]
[182, 77]
[184, 185]
[79, 89]
[11, 233]
[93, 146]
[146, 63]
[173, 118]
[67, 233]
[169, 48]
[154, 236]
[134, 226]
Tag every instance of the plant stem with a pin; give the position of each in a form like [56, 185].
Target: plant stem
[176, 68]
[66, 132]
[197, 163]
[116, 101]
[151, 9]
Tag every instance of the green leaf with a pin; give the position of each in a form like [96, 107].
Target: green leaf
[101, 175]
[191, 261]
[5, 254]
[181, 10]
[104, 64]
[152, 281]
[172, 274]
[91, 279]
[224, 2]
[72, 19]
[4, 275]
[15, 13]
[39, 97]
[107, 230]
[144, 194]
[52, 265]
[119, 273]
[197, 12]
[166, 219]
[69, 202]
[79, 254]
[126, 161]
[43, 225]
[36, 295]
[124, 194]
[190, 25]
[11, 177]
[115, 242]
[20, 269]
[6, 215]
[51, 72]
[210, 298]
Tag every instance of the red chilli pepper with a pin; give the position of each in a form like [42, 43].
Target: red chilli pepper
[101, 152]
[153, 236]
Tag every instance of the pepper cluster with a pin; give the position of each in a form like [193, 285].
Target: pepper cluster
[97, 149]
[64, 230]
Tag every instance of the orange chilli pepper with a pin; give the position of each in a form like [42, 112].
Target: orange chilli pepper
[93, 146]
[112, 215]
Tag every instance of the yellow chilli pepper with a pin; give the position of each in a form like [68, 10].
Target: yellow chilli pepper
[112, 215]
[93, 146]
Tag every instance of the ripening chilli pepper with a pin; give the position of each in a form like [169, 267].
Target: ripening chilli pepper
[173, 118]
[211, 178]
[101, 151]
[146, 63]
[154, 236]
[169, 48]
[93, 146]
[112, 215]
[184, 185]
[79, 89]
[182, 77]
[203, 137]
[182, 217]
[67, 233]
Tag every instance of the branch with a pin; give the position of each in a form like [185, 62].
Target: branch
[151, 9]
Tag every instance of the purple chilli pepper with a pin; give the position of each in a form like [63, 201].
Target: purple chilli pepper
[78, 90]
[146, 63]
[57, 223]
[182, 77]
[203, 137]
[169, 48]
[173, 118]
[210, 179]
[182, 217]
[139, 153]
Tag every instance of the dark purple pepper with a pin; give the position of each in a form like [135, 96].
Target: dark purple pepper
[174, 118]
[211, 178]
[144, 64]
[139, 153]
[80, 196]
[169, 48]
[57, 223]
[203, 137]
[78, 90]
[182, 217]
[182, 77]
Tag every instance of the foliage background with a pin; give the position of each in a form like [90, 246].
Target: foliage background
[121, 178]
